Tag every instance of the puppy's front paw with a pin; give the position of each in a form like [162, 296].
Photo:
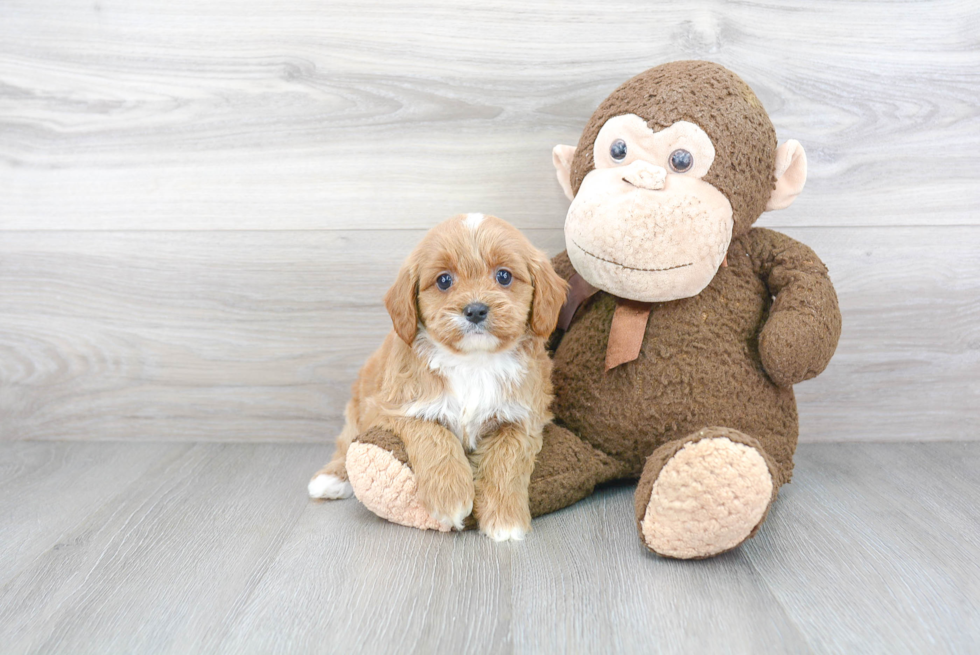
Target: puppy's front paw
[505, 533]
[452, 518]
[446, 491]
[505, 526]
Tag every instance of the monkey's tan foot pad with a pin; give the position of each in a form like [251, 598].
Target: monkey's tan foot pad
[708, 498]
[386, 485]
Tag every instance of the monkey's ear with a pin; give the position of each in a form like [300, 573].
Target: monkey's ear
[562, 157]
[401, 302]
[790, 175]
[549, 295]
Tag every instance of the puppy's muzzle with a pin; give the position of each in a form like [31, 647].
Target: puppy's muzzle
[476, 312]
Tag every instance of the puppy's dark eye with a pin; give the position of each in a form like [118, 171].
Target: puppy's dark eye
[504, 277]
[618, 150]
[444, 281]
[681, 161]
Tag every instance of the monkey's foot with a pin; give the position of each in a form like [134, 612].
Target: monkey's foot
[703, 495]
[383, 481]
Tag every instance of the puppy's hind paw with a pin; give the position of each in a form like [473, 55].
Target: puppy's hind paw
[329, 487]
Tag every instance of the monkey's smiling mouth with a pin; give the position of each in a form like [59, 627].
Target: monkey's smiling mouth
[632, 268]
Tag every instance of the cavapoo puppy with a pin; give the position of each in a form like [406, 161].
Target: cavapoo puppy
[463, 379]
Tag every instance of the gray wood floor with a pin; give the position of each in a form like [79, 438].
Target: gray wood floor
[183, 548]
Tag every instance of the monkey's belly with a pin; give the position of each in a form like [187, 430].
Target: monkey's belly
[699, 366]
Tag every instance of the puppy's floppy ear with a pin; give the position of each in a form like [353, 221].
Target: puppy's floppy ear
[549, 295]
[402, 302]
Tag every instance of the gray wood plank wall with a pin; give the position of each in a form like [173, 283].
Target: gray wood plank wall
[201, 203]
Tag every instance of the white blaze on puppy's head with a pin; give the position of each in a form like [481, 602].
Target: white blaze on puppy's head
[472, 221]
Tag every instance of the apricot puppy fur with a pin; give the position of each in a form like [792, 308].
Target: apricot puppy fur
[463, 379]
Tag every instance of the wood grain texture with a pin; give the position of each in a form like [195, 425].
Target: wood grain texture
[84, 477]
[197, 114]
[258, 336]
[871, 549]
[157, 567]
[346, 580]
[200, 205]
[584, 583]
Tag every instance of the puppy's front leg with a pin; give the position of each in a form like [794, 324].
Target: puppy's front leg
[504, 462]
[442, 471]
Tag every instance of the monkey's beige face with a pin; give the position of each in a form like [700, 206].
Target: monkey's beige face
[644, 224]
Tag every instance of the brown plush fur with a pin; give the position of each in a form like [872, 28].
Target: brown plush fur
[726, 357]
[702, 361]
[493, 478]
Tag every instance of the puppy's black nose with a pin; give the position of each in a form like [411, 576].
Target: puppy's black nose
[475, 312]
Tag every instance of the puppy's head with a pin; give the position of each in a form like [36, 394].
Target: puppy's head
[475, 283]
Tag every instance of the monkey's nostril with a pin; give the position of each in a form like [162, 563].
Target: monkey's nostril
[476, 312]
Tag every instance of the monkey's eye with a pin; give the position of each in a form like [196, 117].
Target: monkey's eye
[618, 150]
[444, 281]
[681, 161]
[504, 277]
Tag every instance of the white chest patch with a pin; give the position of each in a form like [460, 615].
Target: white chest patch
[479, 390]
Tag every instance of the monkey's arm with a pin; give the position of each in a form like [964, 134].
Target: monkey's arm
[804, 323]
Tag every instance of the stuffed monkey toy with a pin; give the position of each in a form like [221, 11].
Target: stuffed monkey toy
[685, 328]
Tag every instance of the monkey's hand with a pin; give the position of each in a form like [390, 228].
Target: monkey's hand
[794, 348]
[801, 333]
